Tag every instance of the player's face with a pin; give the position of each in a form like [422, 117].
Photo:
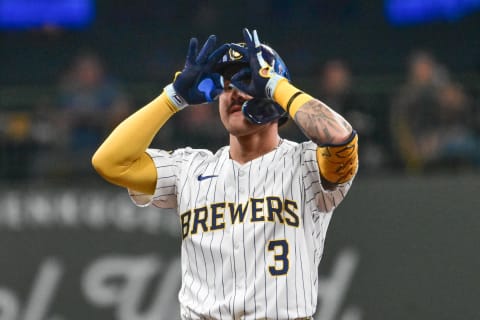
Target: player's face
[230, 107]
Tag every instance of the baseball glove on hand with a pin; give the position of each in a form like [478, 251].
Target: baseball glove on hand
[262, 76]
[197, 83]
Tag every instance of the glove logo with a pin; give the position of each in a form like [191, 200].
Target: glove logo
[177, 99]
[235, 55]
[269, 92]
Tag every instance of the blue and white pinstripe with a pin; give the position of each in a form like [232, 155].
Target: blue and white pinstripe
[225, 272]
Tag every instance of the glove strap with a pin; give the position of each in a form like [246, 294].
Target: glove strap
[272, 84]
[174, 97]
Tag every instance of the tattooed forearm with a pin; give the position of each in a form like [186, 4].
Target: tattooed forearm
[321, 124]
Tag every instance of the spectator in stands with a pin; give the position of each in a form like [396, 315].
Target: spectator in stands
[431, 119]
[455, 144]
[337, 90]
[16, 145]
[92, 103]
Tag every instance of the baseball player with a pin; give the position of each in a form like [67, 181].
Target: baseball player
[253, 215]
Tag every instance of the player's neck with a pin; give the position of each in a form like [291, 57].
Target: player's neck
[246, 148]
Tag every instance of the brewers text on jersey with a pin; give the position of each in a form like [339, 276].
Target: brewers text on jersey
[254, 214]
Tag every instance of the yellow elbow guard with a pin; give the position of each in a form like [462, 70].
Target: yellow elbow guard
[339, 163]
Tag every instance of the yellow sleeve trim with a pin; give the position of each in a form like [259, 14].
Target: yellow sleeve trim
[339, 163]
[284, 93]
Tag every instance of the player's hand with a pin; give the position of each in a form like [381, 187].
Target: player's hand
[260, 80]
[197, 83]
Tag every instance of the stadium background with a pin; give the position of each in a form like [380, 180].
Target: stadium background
[402, 246]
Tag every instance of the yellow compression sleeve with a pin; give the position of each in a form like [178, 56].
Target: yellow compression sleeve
[289, 97]
[121, 159]
[338, 164]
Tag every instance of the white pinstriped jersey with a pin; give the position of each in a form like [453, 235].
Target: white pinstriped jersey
[253, 234]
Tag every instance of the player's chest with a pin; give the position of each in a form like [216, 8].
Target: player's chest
[234, 183]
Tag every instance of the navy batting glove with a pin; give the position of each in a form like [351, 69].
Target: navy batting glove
[197, 83]
[263, 78]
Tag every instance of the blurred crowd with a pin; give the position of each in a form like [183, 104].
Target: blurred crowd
[56, 138]
[428, 123]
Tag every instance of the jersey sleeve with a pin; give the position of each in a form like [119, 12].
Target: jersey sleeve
[325, 200]
[167, 164]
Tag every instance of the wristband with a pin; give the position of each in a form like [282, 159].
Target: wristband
[289, 103]
[174, 97]
[272, 84]
[289, 97]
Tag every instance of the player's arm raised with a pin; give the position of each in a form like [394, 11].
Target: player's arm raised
[122, 159]
[337, 152]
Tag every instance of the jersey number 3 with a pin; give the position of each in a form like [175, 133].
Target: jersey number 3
[280, 248]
